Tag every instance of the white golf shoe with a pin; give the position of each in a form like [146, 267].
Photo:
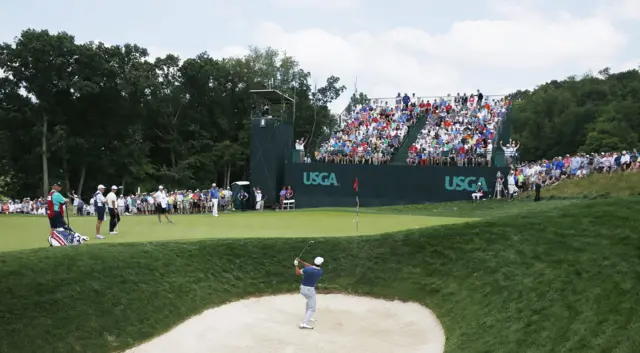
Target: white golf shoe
[98, 236]
[306, 326]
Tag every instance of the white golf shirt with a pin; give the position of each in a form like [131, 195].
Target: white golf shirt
[112, 199]
[161, 198]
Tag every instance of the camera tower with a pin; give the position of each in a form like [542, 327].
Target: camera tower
[271, 138]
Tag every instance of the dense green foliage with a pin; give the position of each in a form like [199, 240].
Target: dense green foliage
[88, 113]
[542, 279]
[589, 114]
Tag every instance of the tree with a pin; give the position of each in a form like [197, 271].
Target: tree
[589, 114]
[112, 115]
[357, 100]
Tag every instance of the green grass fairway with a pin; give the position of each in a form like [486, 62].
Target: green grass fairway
[23, 232]
[556, 276]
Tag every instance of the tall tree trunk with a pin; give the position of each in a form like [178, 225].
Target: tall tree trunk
[67, 183]
[45, 165]
[228, 175]
[81, 184]
[122, 184]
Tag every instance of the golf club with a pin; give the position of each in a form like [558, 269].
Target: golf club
[305, 248]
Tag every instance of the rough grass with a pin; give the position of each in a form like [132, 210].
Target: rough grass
[554, 277]
[595, 186]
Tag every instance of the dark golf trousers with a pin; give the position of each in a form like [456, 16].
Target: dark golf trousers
[537, 188]
[114, 219]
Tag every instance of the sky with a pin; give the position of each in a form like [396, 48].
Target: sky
[431, 48]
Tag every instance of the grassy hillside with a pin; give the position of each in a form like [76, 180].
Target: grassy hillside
[596, 186]
[554, 277]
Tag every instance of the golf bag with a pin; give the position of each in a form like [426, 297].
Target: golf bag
[66, 236]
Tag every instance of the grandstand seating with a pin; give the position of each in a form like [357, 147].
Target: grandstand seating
[457, 134]
[370, 134]
[450, 130]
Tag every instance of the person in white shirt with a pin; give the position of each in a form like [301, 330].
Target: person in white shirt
[76, 200]
[121, 203]
[98, 204]
[300, 148]
[259, 200]
[625, 161]
[162, 203]
[112, 204]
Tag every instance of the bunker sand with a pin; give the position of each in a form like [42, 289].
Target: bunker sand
[270, 324]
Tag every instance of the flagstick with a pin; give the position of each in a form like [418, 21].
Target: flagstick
[357, 211]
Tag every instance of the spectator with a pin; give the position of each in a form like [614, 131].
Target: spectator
[283, 196]
[121, 204]
[243, 196]
[369, 135]
[259, 199]
[300, 148]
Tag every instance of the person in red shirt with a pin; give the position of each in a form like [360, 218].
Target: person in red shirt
[461, 152]
[448, 108]
[55, 207]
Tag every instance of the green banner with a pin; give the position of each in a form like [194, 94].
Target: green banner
[331, 185]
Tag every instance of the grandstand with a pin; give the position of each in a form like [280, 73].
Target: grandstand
[387, 143]
[416, 130]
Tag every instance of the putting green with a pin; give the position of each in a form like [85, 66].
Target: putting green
[24, 232]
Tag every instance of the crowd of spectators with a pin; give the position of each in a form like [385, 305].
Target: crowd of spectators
[178, 202]
[371, 133]
[459, 130]
[524, 176]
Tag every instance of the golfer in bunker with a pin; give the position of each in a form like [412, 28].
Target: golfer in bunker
[310, 276]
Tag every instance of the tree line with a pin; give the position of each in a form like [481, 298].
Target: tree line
[592, 113]
[91, 113]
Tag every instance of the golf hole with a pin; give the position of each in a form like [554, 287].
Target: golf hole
[270, 324]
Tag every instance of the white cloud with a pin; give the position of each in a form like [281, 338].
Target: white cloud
[622, 9]
[319, 4]
[522, 50]
[626, 66]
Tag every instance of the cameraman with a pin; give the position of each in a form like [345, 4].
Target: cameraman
[499, 185]
[511, 185]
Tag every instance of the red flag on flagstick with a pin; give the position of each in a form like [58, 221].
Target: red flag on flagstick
[355, 185]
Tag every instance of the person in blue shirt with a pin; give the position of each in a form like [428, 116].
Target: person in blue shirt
[310, 277]
[214, 194]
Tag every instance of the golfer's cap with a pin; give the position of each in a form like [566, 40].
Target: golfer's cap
[214, 184]
[57, 183]
[318, 261]
[114, 187]
[100, 186]
[160, 187]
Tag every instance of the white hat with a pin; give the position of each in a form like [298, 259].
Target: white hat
[114, 187]
[160, 187]
[318, 261]
[214, 184]
[100, 186]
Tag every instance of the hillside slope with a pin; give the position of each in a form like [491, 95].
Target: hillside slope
[545, 281]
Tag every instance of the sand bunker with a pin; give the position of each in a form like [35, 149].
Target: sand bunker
[270, 324]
